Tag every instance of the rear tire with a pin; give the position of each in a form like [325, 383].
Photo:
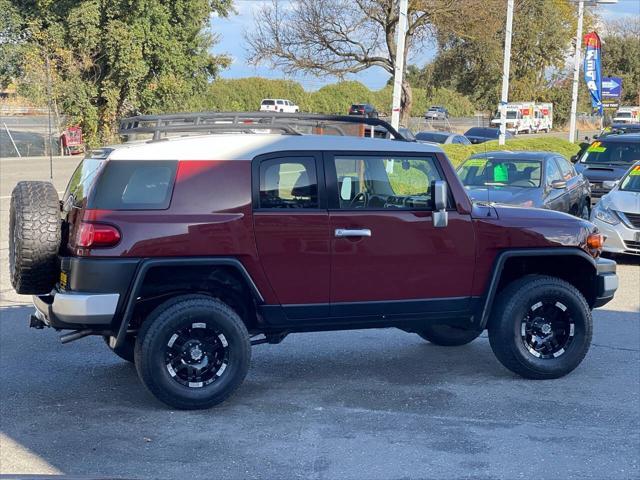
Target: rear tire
[34, 237]
[540, 327]
[448, 336]
[192, 352]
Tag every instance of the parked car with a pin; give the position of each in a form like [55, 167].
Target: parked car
[442, 137]
[436, 113]
[620, 128]
[278, 105]
[484, 134]
[617, 214]
[608, 159]
[184, 252]
[407, 134]
[527, 179]
[363, 109]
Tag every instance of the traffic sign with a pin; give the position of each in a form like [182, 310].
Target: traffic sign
[611, 87]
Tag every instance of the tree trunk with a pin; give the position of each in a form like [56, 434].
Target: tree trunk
[406, 101]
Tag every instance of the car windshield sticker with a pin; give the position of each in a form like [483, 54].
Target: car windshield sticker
[596, 147]
[500, 173]
[476, 162]
[635, 171]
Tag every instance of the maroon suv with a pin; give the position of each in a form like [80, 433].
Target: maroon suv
[184, 252]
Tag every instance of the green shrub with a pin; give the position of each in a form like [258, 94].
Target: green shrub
[459, 153]
[245, 94]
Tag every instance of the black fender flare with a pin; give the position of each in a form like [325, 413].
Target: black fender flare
[148, 264]
[505, 255]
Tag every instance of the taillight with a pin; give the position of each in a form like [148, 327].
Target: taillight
[96, 235]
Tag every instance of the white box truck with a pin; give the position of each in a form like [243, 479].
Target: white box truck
[520, 117]
[627, 115]
[543, 117]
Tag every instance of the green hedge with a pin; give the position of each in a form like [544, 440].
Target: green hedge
[245, 94]
[459, 153]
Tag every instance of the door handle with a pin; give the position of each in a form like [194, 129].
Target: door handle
[359, 232]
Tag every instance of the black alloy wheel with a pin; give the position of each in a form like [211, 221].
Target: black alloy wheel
[547, 329]
[197, 355]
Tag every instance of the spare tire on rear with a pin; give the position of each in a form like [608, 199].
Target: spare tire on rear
[34, 237]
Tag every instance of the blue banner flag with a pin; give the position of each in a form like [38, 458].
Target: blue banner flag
[592, 64]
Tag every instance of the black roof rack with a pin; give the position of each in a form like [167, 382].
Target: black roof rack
[249, 122]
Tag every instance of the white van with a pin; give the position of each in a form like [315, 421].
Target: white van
[543, 117]
[627, 115]
[278, 105]
[520, 117]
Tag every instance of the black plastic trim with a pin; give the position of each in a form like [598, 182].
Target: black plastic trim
[503, 256]
[147, 264]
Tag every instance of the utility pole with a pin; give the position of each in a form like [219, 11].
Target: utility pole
[506, 66]
[576, 74]
[399, 64]
[49, 112]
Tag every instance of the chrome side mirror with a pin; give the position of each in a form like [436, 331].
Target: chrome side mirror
[440, 215]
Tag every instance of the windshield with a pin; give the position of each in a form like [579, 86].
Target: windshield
[432, 137]
[622, 153]
[631, 183]
[487, 172]
[623, 115]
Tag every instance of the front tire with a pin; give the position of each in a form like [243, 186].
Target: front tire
[585, 213]
[192, 352]
[447, 336]
[541, 327]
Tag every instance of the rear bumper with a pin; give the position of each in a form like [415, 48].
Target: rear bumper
[77, 309]
[92, 295]
[606, 281]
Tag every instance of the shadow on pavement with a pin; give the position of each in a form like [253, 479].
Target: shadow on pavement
[82, 409]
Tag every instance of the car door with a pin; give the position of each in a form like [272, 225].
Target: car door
[388, 258]
[575, 185]
[291, 225]
[554, 198]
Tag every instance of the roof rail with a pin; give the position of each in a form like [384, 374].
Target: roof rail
[249, 122]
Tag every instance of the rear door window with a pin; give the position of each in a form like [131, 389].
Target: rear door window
[289, 183]
[134, 185]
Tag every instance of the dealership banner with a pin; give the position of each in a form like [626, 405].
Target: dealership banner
[592, 65]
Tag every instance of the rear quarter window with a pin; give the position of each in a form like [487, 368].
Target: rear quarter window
[134, 185]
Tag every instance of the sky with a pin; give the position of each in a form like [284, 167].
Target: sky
[231, 32]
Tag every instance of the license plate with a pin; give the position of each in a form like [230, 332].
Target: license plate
[637, 237]
[63, 280]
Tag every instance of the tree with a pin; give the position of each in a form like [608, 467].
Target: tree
[338, 37]
[107, 59]
[621, 56]
[470, 47]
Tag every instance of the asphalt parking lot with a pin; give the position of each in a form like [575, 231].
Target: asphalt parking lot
[362, 404]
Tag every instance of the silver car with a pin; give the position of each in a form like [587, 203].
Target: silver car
[617, 214]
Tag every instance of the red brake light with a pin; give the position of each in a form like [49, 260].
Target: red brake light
[97, 235]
